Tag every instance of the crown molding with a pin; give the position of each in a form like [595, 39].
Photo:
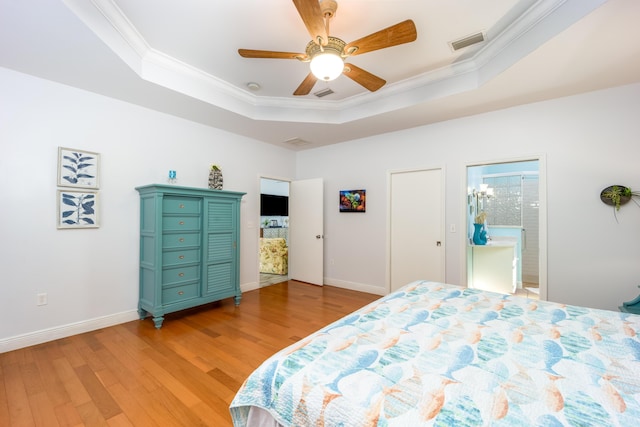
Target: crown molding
[508, 43]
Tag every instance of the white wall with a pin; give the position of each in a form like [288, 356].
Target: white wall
[91, 275]
[589, 142]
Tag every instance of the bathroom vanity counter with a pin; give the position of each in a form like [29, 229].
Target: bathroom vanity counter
[493, 266]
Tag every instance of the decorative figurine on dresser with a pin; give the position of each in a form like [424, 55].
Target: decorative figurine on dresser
[189, 248]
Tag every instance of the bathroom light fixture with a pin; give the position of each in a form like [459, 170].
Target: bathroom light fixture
[485, 191]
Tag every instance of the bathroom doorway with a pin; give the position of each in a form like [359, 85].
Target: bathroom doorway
[508, 198]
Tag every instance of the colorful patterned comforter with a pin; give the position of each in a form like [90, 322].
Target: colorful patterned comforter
[442, 355]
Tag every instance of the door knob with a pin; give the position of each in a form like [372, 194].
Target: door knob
[318, 236]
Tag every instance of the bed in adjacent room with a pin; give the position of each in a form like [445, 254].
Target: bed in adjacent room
[443, 355]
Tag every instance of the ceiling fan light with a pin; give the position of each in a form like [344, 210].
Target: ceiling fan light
[327, 66]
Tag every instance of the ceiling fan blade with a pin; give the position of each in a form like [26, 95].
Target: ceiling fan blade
[251, 53]
[363, 78]
[311, 15]
[306, 85]
[401, 33]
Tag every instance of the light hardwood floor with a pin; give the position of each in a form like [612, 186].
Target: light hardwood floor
[184, 374]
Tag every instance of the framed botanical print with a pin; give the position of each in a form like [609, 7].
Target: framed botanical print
[78, 168]
[77, 209]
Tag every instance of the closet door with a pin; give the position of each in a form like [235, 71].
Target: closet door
[416, 228]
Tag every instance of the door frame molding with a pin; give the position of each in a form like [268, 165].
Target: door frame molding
[542, 216]
[443, 201]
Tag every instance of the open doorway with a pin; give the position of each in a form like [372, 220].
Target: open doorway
[506, 228]
[273, 248]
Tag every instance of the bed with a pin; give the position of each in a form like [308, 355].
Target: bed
[443, 355]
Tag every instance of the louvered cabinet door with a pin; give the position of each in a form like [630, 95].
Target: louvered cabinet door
[221, 259]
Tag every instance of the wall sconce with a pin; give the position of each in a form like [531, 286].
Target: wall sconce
[485, 192]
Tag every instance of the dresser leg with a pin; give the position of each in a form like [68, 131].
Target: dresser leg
[158, 321]
[237, 299]
[142, 313]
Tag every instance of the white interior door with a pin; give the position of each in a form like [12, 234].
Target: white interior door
[416, 227]
[306, 231]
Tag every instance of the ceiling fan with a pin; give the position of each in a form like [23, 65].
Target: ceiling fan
[326, 54]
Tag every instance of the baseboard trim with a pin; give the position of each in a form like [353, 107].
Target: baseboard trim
[251, 286]
[354, 286]
[64, 331]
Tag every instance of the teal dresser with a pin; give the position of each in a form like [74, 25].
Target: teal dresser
[189, 248]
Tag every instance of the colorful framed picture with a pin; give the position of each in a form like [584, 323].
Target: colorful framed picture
[78, 168]
[77, 209]
[353, 200]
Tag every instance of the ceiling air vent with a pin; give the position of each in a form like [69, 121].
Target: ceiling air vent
[324, 92]
[298, 142]
[467, 41]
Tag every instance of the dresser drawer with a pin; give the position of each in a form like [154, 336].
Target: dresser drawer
[175, 223]
[179, 293]
[180, 240]
[181, 205]
[186, 256]
[180, 274]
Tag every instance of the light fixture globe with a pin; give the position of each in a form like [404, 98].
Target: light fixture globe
[326, 61]
[327, 66]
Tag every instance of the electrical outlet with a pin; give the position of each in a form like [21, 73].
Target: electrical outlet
[41, 299]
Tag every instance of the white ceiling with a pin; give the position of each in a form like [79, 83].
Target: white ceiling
[181, 58]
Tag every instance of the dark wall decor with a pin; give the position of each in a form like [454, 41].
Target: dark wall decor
[353, 200]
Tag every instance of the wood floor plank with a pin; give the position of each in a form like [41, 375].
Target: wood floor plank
[99, 395]
[72, 349]
[44, 414]
[157, 409]
[181, 391]
[71, 382]
[184, 374]
[4, 400]
[91, 415]
[120, 420]
[45, 355]
[67, 415]
[135, 412]
[18, 400]
[124, 360]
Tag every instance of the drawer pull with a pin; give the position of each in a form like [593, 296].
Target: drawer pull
[180, 274]
[181, 223]
[181, 206]
[181, 257]
[181, 239]
[180, 292]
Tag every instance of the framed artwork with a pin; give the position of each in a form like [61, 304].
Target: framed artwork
[77, 209]
[353, 200]
[78, 168]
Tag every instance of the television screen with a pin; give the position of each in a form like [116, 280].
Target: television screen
[271, 205]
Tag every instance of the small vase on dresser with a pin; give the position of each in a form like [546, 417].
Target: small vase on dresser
[215, 178]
